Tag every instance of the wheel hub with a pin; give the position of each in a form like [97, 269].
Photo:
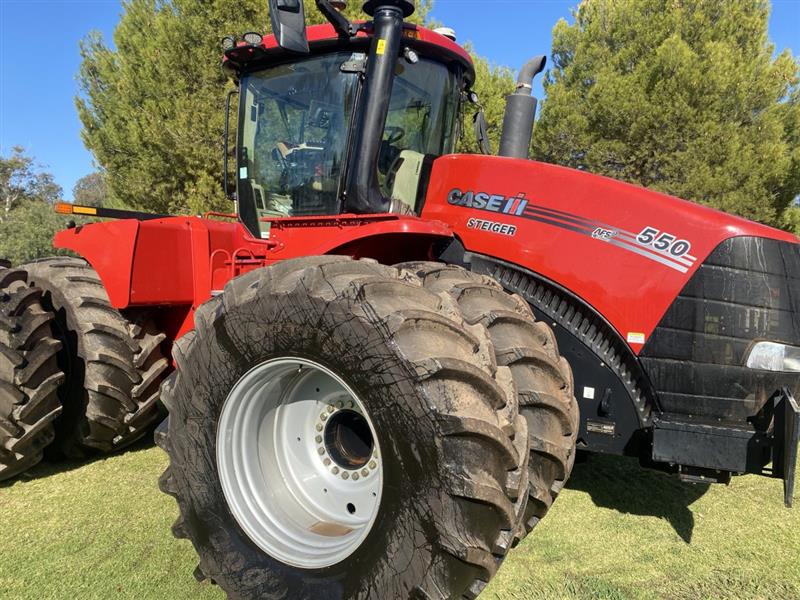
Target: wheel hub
[299, 462]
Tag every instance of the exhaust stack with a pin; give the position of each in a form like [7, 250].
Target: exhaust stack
[521, 112]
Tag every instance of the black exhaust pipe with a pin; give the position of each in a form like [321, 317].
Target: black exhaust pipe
[362, 193]
[521, 112]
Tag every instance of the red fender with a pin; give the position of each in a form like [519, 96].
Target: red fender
[179, 262]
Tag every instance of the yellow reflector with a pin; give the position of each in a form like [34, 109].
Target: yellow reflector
[63, 208]
[84, 210]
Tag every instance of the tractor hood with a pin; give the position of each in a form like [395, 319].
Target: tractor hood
[626, 251]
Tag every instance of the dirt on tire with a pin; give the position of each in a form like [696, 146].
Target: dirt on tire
[543, 378]
[455, 447]
[29, 375]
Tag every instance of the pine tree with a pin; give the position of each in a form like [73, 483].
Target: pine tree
[492, 84]
[682, 96]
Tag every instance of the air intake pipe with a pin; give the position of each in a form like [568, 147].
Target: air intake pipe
[362, 191]
[521, 112]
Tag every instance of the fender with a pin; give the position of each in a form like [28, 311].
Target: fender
[182, 261]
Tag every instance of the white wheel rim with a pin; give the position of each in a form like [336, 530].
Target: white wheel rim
[297, 469]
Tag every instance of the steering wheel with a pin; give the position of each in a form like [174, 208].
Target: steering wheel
[395, 134]
[281, 159]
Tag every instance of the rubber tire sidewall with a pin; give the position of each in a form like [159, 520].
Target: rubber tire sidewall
[398, 550]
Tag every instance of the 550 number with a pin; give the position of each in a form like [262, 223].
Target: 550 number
[663, 242]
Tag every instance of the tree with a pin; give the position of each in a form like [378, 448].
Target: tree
[681, 96]
[21, 180]
[153, 108]
[792, 219]
[90, 190]
[492, 84]
[28, 233]
[27, 221]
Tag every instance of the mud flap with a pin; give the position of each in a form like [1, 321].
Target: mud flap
[787, 437]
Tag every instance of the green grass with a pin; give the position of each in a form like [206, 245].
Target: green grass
[101, 530]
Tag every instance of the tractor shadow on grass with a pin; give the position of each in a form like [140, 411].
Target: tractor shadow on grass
[49, 467]
[621, 484]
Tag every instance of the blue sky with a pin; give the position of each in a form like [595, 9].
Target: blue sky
[39, 60]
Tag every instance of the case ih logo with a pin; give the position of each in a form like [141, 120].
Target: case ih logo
[652, 244]
[506, 205]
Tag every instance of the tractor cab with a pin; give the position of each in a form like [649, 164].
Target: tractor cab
[347, 126]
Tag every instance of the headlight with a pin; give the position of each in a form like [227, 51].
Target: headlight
[253, 38]
[228, 42]
[770, 356]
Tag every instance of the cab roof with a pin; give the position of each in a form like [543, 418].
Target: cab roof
[322, 38]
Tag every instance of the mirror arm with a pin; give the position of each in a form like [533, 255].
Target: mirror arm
[340, 23]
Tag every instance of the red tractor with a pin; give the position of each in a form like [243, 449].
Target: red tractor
[377, 363]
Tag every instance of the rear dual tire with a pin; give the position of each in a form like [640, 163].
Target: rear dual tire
[29, 375]
[112, 361]
[454, 448]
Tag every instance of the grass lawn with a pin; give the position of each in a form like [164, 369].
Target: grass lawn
[102, 531]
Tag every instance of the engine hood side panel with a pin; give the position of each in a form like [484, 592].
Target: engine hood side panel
[627, 251]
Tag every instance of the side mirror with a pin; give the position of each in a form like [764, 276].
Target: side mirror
[479, 124]
[289, 25]
[482, 132]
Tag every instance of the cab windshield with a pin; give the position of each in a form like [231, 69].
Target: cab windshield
[294, 130]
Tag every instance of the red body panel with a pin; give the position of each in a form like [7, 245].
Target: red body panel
[179, 262]
[576, 229]
[580, 231]
[319, 33]
[110, 248]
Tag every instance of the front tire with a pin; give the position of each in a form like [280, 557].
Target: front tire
[542, 376]
[453, 447]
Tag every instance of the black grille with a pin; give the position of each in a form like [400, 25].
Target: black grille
[747, 290]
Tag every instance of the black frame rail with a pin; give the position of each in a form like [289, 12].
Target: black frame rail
[66, 208]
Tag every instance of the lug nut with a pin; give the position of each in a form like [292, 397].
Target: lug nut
[365, 473]
[355, 476]
[327, 462]
[318, 439]
[319, 427]
[330, 408]
[373, 464]
[321, 451]
[335, 470]
[345, 475]
[340, 404]
[324, 416]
